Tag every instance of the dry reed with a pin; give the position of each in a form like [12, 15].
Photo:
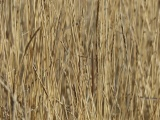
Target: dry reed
[79, 59]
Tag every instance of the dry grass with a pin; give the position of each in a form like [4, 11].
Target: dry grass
[80, 59]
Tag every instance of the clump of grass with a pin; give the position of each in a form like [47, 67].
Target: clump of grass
[86, 59]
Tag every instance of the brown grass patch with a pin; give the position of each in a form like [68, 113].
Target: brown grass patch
[79, 59]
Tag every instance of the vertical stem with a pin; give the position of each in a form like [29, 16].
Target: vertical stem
[92, 70]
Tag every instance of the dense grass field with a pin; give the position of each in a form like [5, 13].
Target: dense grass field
[79, 60]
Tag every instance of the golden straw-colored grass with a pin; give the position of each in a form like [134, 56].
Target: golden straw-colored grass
[79, 60]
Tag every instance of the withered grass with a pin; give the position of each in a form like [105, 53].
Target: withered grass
[79, 60]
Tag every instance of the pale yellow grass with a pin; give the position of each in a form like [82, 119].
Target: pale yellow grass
[79, 60]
